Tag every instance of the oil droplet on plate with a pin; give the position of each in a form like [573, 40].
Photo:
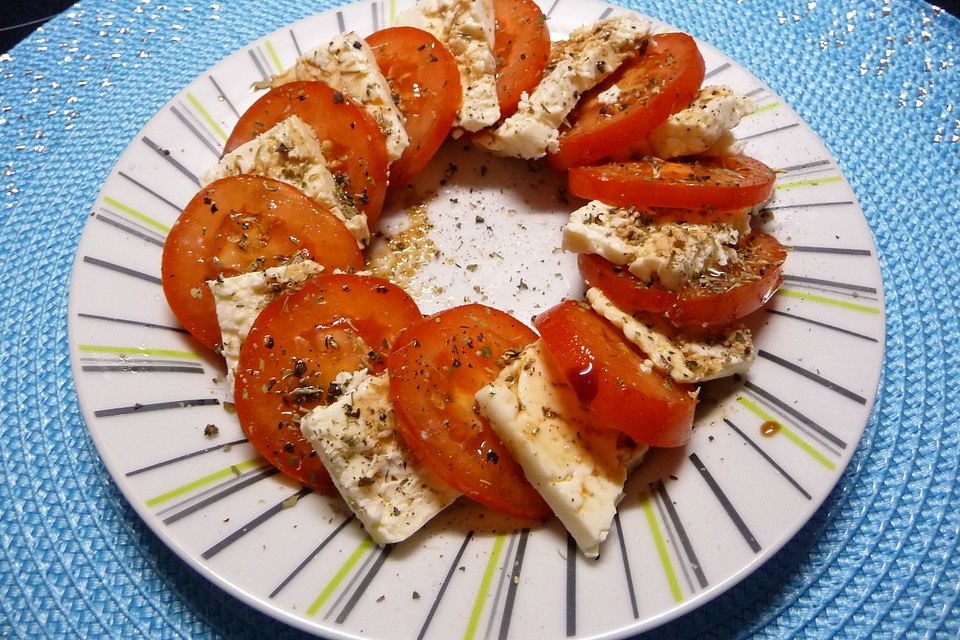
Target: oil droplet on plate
[769, 428]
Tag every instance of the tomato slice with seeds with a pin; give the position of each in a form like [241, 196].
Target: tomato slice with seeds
[721, 182]
[609, 378]
[352, 143]
[719, 297]
[240, 224]
[424, 76]
[661, 80]
[297, 346]
[437, 367]
[521, 49]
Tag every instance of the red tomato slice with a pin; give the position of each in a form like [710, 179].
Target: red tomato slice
[298, 345]
[521, 49]
[425, 79]
[717, 298]
[719, 182]
[240, 224]
[661, 80]
[353, 145]
[607, 375]
[438, 366]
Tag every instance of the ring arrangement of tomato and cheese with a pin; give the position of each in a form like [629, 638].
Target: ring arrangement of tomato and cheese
[339, 380]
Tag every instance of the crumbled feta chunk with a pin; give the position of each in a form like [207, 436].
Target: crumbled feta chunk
[577, 64]
[466, 27]
[289, 152]
[610, 96]
[380, 479]
[347, 64]
[703, 127]
[579, 471]
[240, 299]
[684, 358]
[673, 252]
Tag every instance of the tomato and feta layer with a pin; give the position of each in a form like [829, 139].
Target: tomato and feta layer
[467, 29]
[241, 298]
[672, 252]
[384, 484]
[704, 127]
[290, 152]
[579, 470]
[347, 64]
[589, 55]
[683, 356]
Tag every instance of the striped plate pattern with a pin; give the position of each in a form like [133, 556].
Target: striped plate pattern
[766, 451]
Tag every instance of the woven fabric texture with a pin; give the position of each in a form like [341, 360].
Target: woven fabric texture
[877, 79]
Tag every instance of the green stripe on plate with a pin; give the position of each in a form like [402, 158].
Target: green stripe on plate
[192, 99]
[766, 107]
[335, 581]
[137, 351]
[808, 183]
[274, 58]
[478, 601]
[662, 552]
[233, 469]
[789, 433]
[812, 297]
[142, 217]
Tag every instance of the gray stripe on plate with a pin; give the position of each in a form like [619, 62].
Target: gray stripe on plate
[156, 195]
[185, 456]
[168, 157]
[223, 94]
[444, 585]
[725, 503]
[829, 283]
[190, 122]
[822, 324]
[831, 250]
[127, 271]
[810, 375]
[571, 586]
[514, 585]
[803, 205]
[138, 232]
[796, 485]
[250, 526]
[768, 131]
[140, 323]
[156, 406]
[713, 72]
[365, 583]
[802, 420]
[625, 560]
[691, 555]
[229, 491]
[313, 554]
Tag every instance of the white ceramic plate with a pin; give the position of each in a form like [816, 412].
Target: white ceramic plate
[694, 521]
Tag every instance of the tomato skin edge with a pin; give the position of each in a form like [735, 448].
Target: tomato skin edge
[659, 411]
[436, 410]
[636, 184]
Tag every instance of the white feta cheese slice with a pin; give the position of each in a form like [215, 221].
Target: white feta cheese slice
[703, 127]
[382, 482]
[240, 299]
[466, 27]
[576, 65]
[579, 471]
[671, 251]
[347, 64]
[289, 152]
[684, 358]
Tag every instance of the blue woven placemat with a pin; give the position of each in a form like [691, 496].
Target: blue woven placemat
[878, 80]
